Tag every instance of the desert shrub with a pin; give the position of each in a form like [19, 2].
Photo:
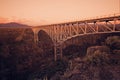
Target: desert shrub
[97, 58]
[113, 42]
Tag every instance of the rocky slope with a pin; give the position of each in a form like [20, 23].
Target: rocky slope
[100, 63]
[22, 59]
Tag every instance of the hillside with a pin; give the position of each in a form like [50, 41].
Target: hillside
[13, 24]
[22, 59]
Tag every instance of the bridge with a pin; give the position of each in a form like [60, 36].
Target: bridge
[64, 31]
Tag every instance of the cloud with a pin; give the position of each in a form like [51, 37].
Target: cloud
[23, 21]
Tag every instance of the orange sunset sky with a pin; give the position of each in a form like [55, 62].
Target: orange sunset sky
[40, 12]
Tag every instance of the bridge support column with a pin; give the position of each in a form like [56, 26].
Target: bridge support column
[57, 52]
[36, 37]
[114, 24]
[85, 27]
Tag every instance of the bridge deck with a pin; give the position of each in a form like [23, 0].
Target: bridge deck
[100, 19]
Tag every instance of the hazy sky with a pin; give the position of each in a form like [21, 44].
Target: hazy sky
[37, 12]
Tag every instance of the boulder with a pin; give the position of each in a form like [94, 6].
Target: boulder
[93, 49]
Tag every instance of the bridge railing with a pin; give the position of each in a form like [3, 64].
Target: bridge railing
[103, 16]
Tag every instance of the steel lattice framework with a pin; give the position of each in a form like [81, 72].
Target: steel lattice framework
[64, 31]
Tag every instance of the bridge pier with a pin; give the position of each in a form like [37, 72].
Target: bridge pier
[57, 52]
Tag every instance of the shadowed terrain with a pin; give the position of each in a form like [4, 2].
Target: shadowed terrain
[88, 57]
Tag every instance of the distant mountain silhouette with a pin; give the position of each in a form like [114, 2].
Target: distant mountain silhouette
[13, 24]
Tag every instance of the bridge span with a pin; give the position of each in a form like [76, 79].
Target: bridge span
[64, 31]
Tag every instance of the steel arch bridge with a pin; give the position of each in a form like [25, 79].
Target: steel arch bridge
[64, 31]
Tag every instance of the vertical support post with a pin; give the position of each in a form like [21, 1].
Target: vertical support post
[77, 28]
[51, 29]
[36, 37]
[55, 36]
[114, 24]
[61, 32]
[85, 28]
[97, 28]
[61, 51]
[66, 32]
[58, 32]
[55, 39]
[55, 52]
[70, 32]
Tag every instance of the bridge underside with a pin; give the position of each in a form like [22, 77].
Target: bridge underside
[77, 46]
[44, 41]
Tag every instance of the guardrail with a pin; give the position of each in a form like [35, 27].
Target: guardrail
[84, 19]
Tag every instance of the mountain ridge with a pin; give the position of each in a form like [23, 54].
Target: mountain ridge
[13, 24]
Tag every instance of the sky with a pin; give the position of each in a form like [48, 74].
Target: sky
[41, 12]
